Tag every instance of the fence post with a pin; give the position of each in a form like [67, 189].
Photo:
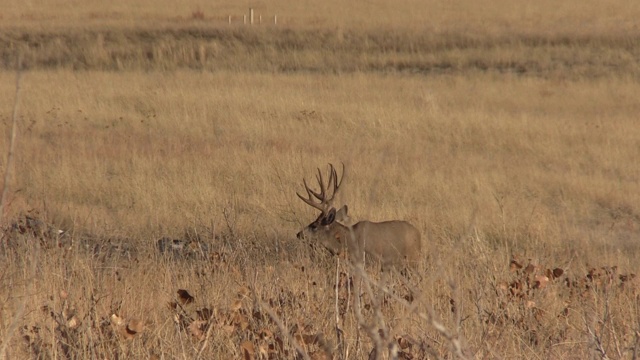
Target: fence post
[251, 16]
[229, 19]
[244, 19]
[275, 19]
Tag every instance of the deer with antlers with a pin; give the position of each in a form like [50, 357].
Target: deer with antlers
[390, 242]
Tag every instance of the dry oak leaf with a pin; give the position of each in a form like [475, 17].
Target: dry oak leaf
[530, 268]
[117, 320]
[132, 329]
[557, 272]
[248, 350]
[514, 266]
[198, 329]
[240, 320]
[403, 342]
[266, 334]
[319, 355]
[236, 305]
[185, 297]
[243, 292]
[135, 326]
[540, 282]
[74, 322]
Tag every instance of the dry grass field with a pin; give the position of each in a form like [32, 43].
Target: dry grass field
[506, 132]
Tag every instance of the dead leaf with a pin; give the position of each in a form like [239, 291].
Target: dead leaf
[403, 342]
[540, 282]
[312, 339]
[185, 297]
[241, 321]
[248, 350]
[514, 266]
[228, 328]
[263, 349]
[319, 355]
[198, 329]
[243, 292]
[530, 268]
[236, 305]
[117, 320]
[206, 313]
[266, 334]
[135, 326]
[557, 272]
[74, 322]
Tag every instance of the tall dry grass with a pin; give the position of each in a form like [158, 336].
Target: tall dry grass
[144, 151]
[489, 168]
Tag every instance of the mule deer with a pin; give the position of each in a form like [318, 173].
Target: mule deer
[391, 242]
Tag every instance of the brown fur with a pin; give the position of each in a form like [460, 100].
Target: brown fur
[390, 242]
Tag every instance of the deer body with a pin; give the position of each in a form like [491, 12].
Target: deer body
[390, 242]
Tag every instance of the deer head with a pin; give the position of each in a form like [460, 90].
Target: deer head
[323, 201]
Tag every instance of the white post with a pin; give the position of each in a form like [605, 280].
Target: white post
[275, 19]
[244, 19]
[251, 16]
[260, 19]
[229, 19]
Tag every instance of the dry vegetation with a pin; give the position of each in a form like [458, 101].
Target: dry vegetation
[512, 147]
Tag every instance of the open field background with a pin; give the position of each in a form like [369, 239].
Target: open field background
[491, 17]
[506, 132]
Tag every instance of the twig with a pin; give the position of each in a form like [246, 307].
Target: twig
[5, 189]
[636, 346]
[372, 330]
[285, 331]
[227, 219]
[207, 335]
[12, 143]
[429, 316]
[339, 331]
[597, 343]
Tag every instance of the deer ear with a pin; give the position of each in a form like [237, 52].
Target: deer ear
[330, 218]
[342, 214]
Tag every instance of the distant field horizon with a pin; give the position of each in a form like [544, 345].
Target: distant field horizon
[485, 18]
[169, 147]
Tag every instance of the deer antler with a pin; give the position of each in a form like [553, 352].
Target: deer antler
[325, 203]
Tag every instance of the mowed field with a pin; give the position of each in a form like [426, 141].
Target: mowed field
[507, 133]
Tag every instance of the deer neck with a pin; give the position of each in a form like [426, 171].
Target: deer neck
[342, 233]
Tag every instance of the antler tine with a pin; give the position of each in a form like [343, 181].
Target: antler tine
[309, 200]
[318, 196]
[323, 189]
[333, 178]
[337, 184]
[323, 205]
[323, 196]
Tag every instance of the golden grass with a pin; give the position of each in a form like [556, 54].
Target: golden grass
[507, 145]
[493, 166]
[432, 148]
